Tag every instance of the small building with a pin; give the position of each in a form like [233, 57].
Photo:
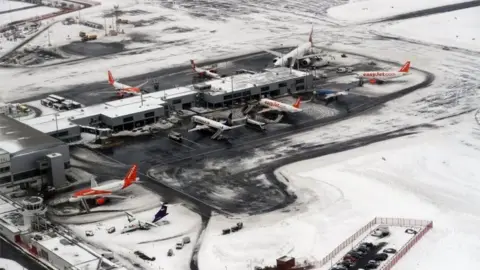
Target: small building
[28, 153]
[237, 88]
[285, 263]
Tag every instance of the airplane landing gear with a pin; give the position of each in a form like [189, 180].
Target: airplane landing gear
[360, 83]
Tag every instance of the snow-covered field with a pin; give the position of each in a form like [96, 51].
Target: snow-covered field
[10, 265]
[155, 242]
[370, 10]
[454, 29]
[10, 5]
[25, 14]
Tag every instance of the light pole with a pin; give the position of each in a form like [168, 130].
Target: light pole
[281, 45]
[56, 123]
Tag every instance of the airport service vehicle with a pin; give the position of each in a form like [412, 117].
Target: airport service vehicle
[179, 245]
[100, 192]
[175, 136]
[89, 37]
[329, 95]
[273, 105]
[380, 77]
[137, 224]
[203, 123]
[303, 55]
[123, 89]
[204, 72]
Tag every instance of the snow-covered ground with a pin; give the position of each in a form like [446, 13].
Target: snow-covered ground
[370, 10]
[427, 176]
[9, 264]
[25, 14]
[453, 29]
[155, 242]
[10, 5]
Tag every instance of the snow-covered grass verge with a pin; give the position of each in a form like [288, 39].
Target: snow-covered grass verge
[459, 29]
[371, 10]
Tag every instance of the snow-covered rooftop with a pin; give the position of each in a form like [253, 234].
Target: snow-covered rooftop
[173, 93]
[245, 81]
[69, 252]
[16, 136]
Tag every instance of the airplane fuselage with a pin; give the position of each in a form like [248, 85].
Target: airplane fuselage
[209, 122]
[278, 105]
[381, 75]
[207, 73]
[296, 53]
[98, 191]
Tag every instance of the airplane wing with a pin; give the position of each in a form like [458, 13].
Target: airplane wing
[273, 52]
[199, 127]
[142, 84]
[267, 110]
[130, 216]
[150, 223]
[114, 196]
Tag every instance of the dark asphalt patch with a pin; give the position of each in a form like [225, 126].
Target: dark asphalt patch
[92, 49]
[134, 12]
[177, 29]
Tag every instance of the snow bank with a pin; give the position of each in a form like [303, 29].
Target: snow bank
[10, 265]
[377, 9]
[457, 29]
[25, 14]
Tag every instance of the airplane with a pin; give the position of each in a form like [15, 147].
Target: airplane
[136, 224]
[203, 123]
[273, 105]
[100, 192]
[330, 95]
[123, 89]
[380, 77]
[212, 73]
[303, 54]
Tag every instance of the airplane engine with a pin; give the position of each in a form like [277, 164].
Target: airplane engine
[373, 81]
[276, 59]
[100, 201]
[306, 62]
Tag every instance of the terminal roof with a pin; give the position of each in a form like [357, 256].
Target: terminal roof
[69, 252]
[246, 81]
[16, 136]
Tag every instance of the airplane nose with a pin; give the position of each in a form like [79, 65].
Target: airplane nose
[73, 199]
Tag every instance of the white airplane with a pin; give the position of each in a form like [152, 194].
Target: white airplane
[137, 224]
[203, 123]
[100, 192]
[205, 72]
[303, 54]
[380, 77]
[123, 89]
[273, 105]
[330, 95]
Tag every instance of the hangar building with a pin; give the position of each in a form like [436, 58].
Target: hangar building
[234, 89]
[28, 154]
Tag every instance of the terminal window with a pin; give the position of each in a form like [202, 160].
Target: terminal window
[299, 81]
[4, 169]
[128, 119]
[283, 84]
[265, 89]
[227, 97]
[300, 87]
[177, 101]
[246, 94]
[149, 114]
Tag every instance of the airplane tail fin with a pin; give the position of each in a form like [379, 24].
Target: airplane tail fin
[297, 103]
[160, 214]
[93, 183]
[405, 67]
[230, 119]
[110, 78]
[131, 177]
[193, 64]
[310, 38]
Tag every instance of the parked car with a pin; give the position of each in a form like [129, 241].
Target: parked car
[89, 233]
[170, 253]
[339, 267]
[381, 231]
[367, 244]
[341, 70]
[179, 245]
[381, 257]
[372, 264]
[390, 250]
[111, 230]
[350, 69]
[363, 249]
[356, 254]
[175, 136]
[186, 240]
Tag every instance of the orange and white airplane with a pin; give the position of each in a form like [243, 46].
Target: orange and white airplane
[212, 73]
[100, 192]
[123, 89]
[380, 77]
[273, 105]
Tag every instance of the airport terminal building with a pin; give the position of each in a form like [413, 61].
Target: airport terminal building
[138, 111]
[27, 154]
